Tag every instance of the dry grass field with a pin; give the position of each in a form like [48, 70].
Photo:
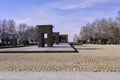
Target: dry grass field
[91, 58]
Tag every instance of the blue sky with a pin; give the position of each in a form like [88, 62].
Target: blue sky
[67, 16]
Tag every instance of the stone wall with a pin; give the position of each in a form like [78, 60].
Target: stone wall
[56, 37]
[45, 29]
[63, 38]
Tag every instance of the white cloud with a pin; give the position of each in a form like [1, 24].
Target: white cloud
[75, 4]
[68, 23]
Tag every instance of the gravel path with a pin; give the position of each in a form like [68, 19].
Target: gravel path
[59, 76]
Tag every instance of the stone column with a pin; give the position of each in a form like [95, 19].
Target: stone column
[41, 40]
[50, 40]
[57, 40]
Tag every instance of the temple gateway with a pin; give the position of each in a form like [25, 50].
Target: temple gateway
[47, 36]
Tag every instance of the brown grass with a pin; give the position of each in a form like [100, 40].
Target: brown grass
[95, 58]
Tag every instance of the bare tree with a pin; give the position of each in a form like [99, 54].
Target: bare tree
[4, 31]
[22, 28]
[9, 32]
[75, 38]
[31, 33]
[102, 31]
[12, 29]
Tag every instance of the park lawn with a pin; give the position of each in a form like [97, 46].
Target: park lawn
[90, 58]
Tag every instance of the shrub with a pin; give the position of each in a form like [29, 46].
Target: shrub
[24, 42]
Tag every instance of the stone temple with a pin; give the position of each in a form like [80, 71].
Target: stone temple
[47, 36]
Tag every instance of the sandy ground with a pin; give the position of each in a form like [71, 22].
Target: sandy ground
[93, 62]
[95, 58]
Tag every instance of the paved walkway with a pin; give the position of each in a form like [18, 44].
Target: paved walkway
[59, 76]
[56, 48]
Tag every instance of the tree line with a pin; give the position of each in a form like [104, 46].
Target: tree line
[12, 33]
[101, 31]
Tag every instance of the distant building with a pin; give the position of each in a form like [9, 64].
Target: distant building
[47, 36]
